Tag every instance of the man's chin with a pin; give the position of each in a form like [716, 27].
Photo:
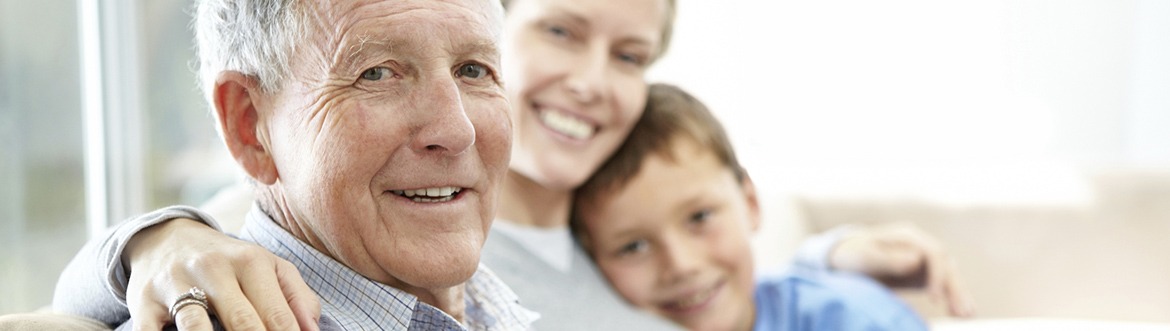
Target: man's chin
[440, 263]
[440, 273]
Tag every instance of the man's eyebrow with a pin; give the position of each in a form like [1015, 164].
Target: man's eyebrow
[358, 53]
[481, 48]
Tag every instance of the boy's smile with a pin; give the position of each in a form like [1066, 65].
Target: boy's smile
[694, 300]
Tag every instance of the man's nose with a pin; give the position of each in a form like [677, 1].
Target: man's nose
[443, 123]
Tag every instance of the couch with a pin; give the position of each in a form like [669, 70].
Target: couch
[1102, 264]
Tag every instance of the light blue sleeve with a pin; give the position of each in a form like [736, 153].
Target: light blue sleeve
[813, 253]
[830, 301]
[93, 284]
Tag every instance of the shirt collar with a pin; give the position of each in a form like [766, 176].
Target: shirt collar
[352, 301]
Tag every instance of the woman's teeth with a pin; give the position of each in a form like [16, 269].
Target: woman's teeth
[431, 194]
[567, 125]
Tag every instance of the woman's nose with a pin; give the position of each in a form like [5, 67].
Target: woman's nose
[587, 81]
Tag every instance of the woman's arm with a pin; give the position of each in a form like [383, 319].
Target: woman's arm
[142, 265]
[899, 254]
[93, 284]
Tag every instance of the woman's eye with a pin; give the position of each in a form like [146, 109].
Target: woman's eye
[558, 31]
[472, 70]
[700, 216]
[630, 58]
[377, 73]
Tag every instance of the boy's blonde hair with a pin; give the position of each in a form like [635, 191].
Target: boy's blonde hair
[671, 114]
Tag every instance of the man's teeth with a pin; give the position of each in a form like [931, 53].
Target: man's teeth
[430, 194]
[568, 125]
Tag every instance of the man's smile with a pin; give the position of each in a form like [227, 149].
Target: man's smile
[430, 194]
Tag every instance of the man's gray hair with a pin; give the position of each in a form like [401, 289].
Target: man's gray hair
[254, 37]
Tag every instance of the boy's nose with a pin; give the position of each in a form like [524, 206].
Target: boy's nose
[680, 259]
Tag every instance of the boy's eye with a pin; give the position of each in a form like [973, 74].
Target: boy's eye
[633, 247]
[472, 70]
[376, 73]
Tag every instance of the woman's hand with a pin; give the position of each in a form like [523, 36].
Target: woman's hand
[248, 288]
[903, 255]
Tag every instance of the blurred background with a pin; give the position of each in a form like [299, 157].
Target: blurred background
[108, 81]
[1032, 137]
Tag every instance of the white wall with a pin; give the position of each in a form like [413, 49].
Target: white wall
[950, 101]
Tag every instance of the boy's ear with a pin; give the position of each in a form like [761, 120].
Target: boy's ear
[753, 201]
[235, 99]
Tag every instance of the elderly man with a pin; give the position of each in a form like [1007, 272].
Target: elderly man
[377, 134]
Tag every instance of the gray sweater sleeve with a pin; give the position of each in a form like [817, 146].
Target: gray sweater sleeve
[94, 283]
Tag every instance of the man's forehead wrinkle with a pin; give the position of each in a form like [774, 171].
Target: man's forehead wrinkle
[335, 21]
[351, 45]
[490, 17]
[321, 32]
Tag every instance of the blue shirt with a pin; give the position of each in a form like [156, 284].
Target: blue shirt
[350, 301]
[829, 301]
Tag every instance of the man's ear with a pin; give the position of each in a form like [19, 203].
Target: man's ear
[753, 201]
[235, 97]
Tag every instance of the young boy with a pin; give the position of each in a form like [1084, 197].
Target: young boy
[668, 220]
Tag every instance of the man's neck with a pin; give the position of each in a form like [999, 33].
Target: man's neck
[449, 300]
[272, 202]
[526, 202]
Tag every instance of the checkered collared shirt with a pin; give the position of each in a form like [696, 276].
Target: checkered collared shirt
[350, 301]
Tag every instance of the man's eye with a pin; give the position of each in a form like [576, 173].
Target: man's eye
[472, 70]
[376, 73]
